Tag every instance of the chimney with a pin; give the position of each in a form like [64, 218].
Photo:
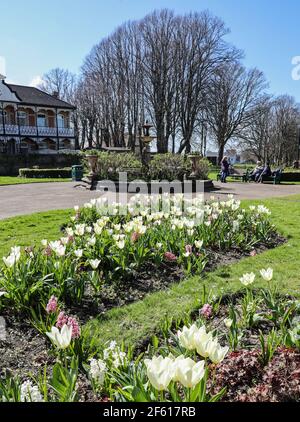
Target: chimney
[55, 94]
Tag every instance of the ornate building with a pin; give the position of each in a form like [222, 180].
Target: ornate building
[32, 121]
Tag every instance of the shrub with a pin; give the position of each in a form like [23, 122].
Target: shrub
[168, 167]
[111, 163]
[37, 173]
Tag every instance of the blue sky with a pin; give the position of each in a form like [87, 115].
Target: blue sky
[39, 35]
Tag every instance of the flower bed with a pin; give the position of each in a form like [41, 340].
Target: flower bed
[243, 347]
[111, 254]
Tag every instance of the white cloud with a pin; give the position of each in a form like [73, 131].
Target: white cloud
[36, 81]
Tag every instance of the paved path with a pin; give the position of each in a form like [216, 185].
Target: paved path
[26, 199]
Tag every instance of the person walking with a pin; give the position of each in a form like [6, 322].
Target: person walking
[224, 169]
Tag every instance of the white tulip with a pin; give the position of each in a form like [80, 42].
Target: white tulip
[94, 263]
[160, 371]
[79, 229]
[216, 352]
[78, 253]
[44, 242]
[247, 279]
[187, 337]
[64, 240]
[267, 275]
[69, 231]
[120, 244]
[188, 372]
[61, 339]
[198, 244]
[9, 261]
[228, 322]
[92, 241]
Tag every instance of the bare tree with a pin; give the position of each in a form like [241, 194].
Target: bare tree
[233, 95]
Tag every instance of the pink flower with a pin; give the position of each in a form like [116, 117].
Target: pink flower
[206, 311]
[253, 253]
[170, 256]
[72, 322]
[62, 320]
[188, 249]
[47, 251]
[52, 305]
[135, 236]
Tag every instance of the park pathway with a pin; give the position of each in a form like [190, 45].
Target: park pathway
[26, 199]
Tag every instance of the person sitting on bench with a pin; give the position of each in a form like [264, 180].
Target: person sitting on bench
[267, 172]
[255, 174]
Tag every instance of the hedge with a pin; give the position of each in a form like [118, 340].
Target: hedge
[63, 173]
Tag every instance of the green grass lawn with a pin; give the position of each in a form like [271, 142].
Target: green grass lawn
[31, 229]
[11, 180]
[135, 322]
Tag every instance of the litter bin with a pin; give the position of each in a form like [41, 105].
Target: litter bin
[77, 173]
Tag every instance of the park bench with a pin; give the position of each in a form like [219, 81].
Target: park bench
[244, 177]
[276, 178]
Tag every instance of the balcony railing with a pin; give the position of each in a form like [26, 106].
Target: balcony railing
[36, 131]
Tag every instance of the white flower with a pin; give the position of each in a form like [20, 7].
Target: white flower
[121, 244]
[30, 392]
[64, 240]
[228, 322]
[216, 352]
[78, 253]
[16, 251]
[261, 209]
[194, 338]
[187, 337]
[3, 293]
[98, 369]
[92, 241]
[247, 279]
[159, 245]
[79, 229]
[188, 372]
[119, 358]
[10, 261]
[94, 263]
[198, 244]
[44, 242]
[69, 231]
[61, 339]
[60, 250]
[160, 371]
[76, 208]
[267, 275]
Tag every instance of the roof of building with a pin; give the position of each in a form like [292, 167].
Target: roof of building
[34, 96]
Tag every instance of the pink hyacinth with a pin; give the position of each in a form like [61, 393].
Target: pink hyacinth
[135, 236]
[72, 322]
[52, 305]
[188, 248]
[62, 320]
[206, 311]
[170, 256]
